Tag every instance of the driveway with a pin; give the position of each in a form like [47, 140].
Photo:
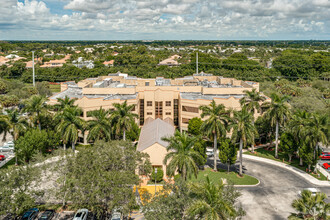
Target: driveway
[272, 198]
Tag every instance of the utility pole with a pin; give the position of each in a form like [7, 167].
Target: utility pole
[196, 62]
[34, 80]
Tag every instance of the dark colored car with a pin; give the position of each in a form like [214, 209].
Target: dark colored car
[325, 156]
[326, 165]
[30, 214]
[47, 215]
[2, 157]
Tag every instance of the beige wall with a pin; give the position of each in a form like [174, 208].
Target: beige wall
[157, 154]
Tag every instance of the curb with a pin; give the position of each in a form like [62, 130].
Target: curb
[302, 174]
[249, 185]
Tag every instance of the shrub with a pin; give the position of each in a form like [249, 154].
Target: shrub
[159, 176]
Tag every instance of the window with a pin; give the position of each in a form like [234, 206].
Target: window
[185, 120]
[189, 109]
[168, 103]
[141, 111]
[149, 103]
[146, 84]
[149, 113]
[176, 111]
[159, 110]
[168, 113]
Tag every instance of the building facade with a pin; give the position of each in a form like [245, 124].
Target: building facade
[176, 99]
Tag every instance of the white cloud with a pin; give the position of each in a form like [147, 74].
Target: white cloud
[197, 19]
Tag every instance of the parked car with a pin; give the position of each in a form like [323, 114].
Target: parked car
[325, 156]
[10, 144]
[47, 215]
[326, 165]
[116, 216]
[81, 214]
[312, 190]
[6, 148]
[30, 214]
[209, 152]
[2, 157]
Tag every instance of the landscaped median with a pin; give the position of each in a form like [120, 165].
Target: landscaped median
[231, 177]
[293, 167]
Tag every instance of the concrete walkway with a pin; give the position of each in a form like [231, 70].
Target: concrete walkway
[295, 170]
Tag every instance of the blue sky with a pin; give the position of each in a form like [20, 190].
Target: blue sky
[164, 19]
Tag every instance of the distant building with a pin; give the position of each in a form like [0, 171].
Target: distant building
[80, 63]
[171, 61]
[89, 50]
[108, 63]
[56, 63]
[29, 64]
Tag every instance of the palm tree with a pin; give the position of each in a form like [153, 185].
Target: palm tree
[62, 103]
[4, 126]
[100, 126]
[243, 130]
[252, 102]
[310, 206]
[211, 202]
[278, 112]
[17, 125]
[36, 105]
[70, 125]
[216, 124]
[181, 155]
[122, 117]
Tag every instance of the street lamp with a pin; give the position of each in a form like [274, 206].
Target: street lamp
[155, 179]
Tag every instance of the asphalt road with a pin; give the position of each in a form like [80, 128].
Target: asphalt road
[272, 198]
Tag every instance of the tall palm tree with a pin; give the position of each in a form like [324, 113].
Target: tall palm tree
[215, 125]
[35, 106]
[62, 103]
[122, 117]
[252, 102]
[211, 202]
[311, 206]
[4, 126]
[100, 126]
[181, 155]
[243, 130]
[278, 112]
[70, 125]
[18, 125]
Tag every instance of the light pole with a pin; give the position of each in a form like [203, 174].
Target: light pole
[155, 179]
[33, 76]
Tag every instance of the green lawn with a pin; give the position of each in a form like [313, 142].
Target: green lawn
[231, 177]
[55, 88]
[270, 154]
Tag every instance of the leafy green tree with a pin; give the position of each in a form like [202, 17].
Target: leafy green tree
[43, 88]
[181, 155]
[227, 153]
[310, 206]
[4, 126]
[252, 102]
[3, 87]
[215, 125]
[35, 106]
[157, 176]
[194, 126]
[243, 130]
[288, 144]
[278, 112]
[100, 126]
[213, 201]
[62, 103]
[17, 186]
[166, 205]
[134, 133]
[33, 141]
[101, 178]
[70, 125]
[306, 153]
[122, 117]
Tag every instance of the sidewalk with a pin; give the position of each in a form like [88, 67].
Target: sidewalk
[301, 173]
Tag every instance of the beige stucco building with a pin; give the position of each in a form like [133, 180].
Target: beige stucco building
[177, 99]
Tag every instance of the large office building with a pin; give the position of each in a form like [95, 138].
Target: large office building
[175, 99]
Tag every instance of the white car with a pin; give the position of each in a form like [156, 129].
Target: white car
[81, 214]
[6, 148]
[209, 152]
[10, 143]
[312, 190]
[116, 216]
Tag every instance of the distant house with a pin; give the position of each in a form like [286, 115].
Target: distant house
[56, 63]
[115, 53]
[29, 64]
[171, 61]
[150, 140]
[89, 49]
[108, 63]
[80, 63]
